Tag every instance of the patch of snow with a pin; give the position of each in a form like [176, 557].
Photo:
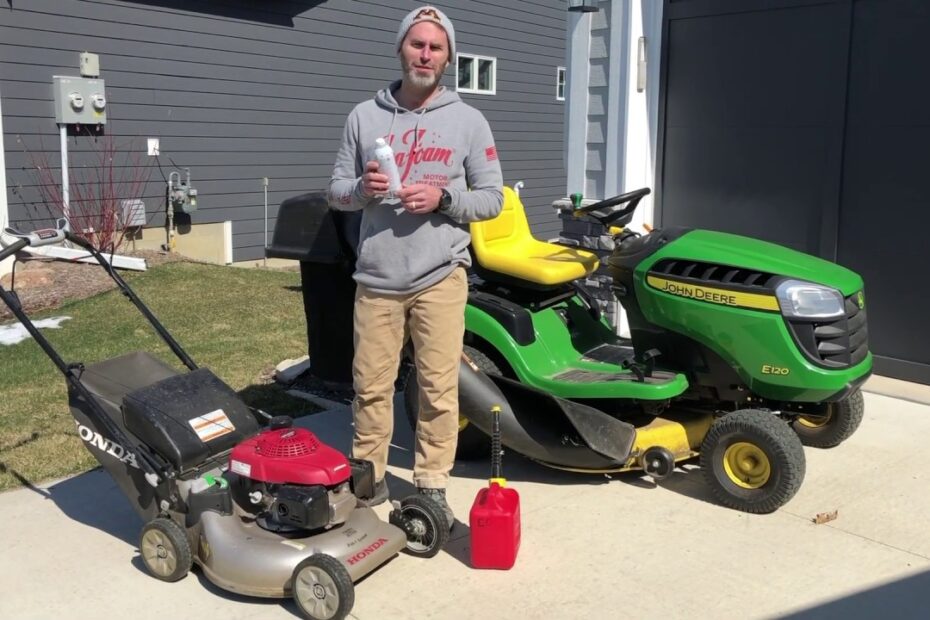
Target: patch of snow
[15, 333]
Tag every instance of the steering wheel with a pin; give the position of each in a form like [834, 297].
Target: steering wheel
[614, 214]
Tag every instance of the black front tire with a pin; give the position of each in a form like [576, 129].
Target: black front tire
[752, 461]
[843, 418]
[430, 524]
[322, 588]
[473, 444]
[165, 550]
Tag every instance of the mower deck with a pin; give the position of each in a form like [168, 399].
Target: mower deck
[238, 555]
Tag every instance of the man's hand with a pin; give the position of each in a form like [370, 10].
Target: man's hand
[420, 198]
[373, 182]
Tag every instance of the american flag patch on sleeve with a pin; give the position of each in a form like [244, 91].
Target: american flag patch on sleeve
[491, 153]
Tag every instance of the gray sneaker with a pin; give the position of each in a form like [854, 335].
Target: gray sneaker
[381, 495]
[439, 496]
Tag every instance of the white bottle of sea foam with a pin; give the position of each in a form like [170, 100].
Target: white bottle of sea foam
[384, 155]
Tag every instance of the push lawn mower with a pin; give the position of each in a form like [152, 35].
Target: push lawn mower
[268, 512]
[735, 342]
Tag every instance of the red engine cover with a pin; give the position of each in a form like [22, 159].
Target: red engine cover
[289, 456]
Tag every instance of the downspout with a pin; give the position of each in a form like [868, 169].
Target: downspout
[638, 167]
[577, 69]
[7, 265]
[615, 180]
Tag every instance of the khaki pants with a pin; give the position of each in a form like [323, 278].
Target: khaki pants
[435, 318]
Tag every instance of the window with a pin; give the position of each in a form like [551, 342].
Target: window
[560, 83]
[476, 74]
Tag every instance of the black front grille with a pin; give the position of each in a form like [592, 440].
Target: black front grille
[834, 344]
[714, 273]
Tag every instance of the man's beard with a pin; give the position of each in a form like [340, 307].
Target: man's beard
[421, 82]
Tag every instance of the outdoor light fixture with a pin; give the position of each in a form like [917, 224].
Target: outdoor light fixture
[582, 6]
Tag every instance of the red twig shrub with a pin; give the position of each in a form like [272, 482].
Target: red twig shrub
[96, 191]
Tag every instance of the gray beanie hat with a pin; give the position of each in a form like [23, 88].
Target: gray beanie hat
[427, 14]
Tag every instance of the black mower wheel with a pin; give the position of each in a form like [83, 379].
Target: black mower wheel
[752, 461]
[658, 462]
[842, 420]
[429, 526]
[472, 444]
[165, 549]
[322, 588]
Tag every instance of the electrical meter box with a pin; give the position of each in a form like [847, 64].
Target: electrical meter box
[80, 100]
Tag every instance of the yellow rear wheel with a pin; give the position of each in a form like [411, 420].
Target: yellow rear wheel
[814, 422]
[839, 422]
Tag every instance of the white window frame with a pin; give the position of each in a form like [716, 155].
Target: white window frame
[560, 72]
[474, 90]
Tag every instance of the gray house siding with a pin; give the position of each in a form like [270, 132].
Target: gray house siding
[239, 90]
[599, 111]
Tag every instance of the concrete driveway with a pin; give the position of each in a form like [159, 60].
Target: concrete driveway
[593, 547]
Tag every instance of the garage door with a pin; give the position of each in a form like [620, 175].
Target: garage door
[806, 123]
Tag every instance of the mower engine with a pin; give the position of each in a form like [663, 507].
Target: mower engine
[291, 481]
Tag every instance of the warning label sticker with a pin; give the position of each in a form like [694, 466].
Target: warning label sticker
[238, 467]
[211, 425]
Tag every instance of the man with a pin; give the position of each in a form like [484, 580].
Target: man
[413, 247]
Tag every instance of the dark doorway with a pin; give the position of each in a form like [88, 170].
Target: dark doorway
[885, 207]
[805, 123]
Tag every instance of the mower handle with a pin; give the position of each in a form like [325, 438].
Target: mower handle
[632, 197]
[13, 248]
[41, 236]
[151, 468]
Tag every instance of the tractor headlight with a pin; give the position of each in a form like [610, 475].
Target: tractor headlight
[804, 300]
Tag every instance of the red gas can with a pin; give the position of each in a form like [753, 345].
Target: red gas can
[495, 515]
[495, 527]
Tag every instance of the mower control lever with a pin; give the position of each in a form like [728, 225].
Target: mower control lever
[648, 359]
[636, 368]
[643, 365]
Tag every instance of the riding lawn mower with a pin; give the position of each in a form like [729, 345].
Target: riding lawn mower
[741, 352]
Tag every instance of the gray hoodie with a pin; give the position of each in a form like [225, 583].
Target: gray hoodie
[447, 143]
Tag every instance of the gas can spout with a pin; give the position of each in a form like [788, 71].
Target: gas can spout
[497, 451]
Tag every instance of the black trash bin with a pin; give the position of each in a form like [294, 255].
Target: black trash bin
[324, 242]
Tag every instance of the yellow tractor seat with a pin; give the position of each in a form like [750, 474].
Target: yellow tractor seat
[505, 245]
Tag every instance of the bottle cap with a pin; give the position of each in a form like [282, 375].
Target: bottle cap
[380, 142]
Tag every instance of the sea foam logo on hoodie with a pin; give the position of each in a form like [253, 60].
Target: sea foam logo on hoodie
[414, 152]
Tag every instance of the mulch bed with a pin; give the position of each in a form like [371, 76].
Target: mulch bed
[43, 283]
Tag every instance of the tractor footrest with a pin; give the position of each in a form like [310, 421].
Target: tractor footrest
[589, 376]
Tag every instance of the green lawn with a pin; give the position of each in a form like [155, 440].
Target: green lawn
[238, 322]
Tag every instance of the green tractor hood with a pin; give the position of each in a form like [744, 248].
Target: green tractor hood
[776, 357]
[752, 254]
